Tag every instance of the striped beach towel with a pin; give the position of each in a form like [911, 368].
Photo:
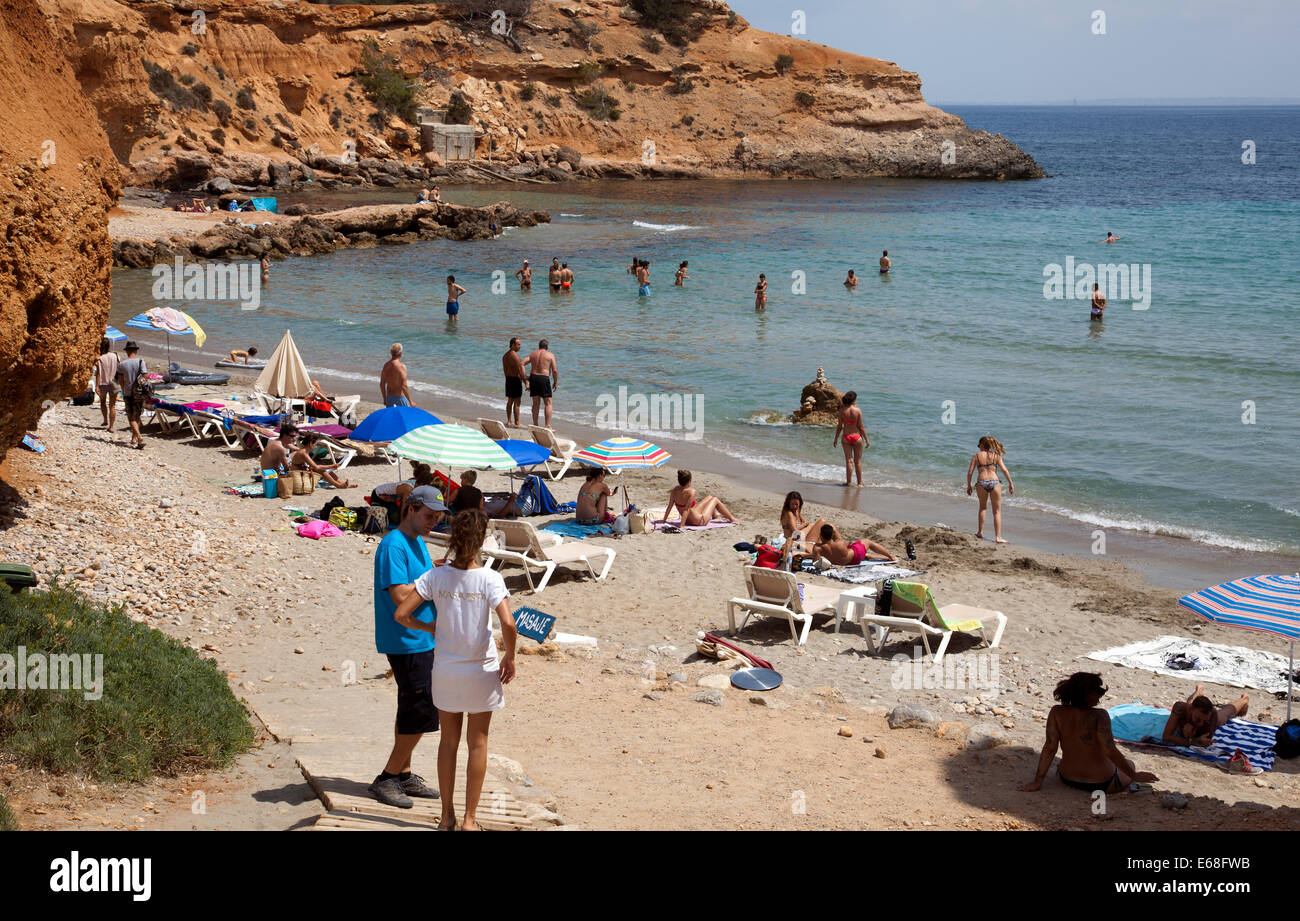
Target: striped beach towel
[1255, 740]
[864, 573]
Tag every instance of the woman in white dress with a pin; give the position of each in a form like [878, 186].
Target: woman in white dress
[467, 677]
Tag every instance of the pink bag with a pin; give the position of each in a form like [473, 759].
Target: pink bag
[318, 529]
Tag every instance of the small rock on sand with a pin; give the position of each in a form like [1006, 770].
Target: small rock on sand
[1174, 801]
[846, 732]
[880, 753]
[712, 696]
[985, 737]
[717, 682]
[906, 716]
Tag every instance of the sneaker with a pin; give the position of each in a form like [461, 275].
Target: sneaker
[389, 792]
[1240, 764]
[415, 786]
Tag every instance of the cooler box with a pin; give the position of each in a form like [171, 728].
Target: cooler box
[270, 484]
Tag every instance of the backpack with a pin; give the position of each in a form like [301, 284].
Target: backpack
[1287, 743]
[535, 499]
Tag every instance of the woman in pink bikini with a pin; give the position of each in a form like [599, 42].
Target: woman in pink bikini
[692, 514]
[988, 461]
[855, 437]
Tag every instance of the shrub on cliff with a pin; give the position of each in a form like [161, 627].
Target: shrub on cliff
[527, 92]
[783, 63]
[681, 84]
[244, 99]
[588, 72]
[389, 89]
[222, 110]
[165, 87]
[679, 20]
[458, 110]
[804, 100]
[155, 706]
[599, 105]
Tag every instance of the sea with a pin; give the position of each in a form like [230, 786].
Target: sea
[1177, 415]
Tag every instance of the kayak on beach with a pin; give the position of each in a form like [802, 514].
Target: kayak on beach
[178, 375]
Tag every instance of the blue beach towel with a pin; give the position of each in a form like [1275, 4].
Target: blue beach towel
[1140, 724]
[578, 531]
[535, 499]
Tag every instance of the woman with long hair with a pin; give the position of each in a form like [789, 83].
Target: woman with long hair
[693, 513]
[988, 460]
[855, 436]
[467, 676]
[793, 525]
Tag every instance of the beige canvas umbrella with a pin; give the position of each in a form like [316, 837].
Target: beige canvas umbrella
[285, 374]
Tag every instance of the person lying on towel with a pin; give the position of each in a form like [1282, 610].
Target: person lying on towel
[1194, 721]
[837, 550]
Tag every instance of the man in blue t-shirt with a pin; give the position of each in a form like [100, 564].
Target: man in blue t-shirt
[402, 558]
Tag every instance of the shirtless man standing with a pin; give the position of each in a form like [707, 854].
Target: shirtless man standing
[393, 389]
[553, 274]
[566, 276]
[515, 380]
[885, 263]
[525, 276]
[454, 291]
[643, 278]
[1098, 302]
[543, 378]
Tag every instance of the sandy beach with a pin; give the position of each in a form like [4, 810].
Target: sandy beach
[611, 737]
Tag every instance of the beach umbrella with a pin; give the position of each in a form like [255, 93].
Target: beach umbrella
[285, 374]
[1266, 604]
[453, 445]
[113, 334]
[392, 423]
[171, 321]
[526, 454]
[622, 453]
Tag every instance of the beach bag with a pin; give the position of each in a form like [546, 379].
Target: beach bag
[304, 482]
[343, 518]
[375, 521]
[284, 487]
[85, 399]
[1287, 742]
[535, 498]
[640, 522]
[768, 557]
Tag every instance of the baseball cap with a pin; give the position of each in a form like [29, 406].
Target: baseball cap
[427, 496]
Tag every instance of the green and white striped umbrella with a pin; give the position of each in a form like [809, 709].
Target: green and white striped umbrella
[453, 445]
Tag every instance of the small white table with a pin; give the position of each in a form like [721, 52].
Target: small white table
[847, 605]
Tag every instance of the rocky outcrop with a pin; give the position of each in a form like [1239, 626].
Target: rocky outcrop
[58, 178]
[576, 90]
[819, 403]
[326, 232]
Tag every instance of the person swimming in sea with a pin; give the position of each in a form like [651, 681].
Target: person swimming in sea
[988, 460]
[851, 281]
[760, 293]
[855, 437]
[525, 276]
[643, 278]
[680, 279]
[1110, 237]
[566, 277]
[553, 274]
[885, 263]
[1098, 303]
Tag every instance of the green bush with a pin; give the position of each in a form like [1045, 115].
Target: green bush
[391, 91]
[588, 71]
[527, 92]
[165, 87]
[458, 109]
[190, 50]
[804, 100]
[244, 99]
[222, 110]
[679, 20]
[554, 100]
[163, 710]
[7, 820]
[599, 104]
[681, 84]
[652, 44]
[783, 63]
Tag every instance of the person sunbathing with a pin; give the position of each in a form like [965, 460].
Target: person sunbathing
[1195, 720]
[318, 395]
[593, 499]
[493, 505]
[792, 524]
[694, 514]
[1090, 760]
[302, 460]
[835, 549]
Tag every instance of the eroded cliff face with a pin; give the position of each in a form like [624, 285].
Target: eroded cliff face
[58, 178]
[186, 95]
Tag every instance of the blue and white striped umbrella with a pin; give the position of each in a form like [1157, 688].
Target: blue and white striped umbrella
[113, 334]
[1266, 604]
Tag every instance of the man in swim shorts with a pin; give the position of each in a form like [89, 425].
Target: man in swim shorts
[543, 378]
[393, 388]
[454, 291]
[566, 276]
[885, 263]
[1098, 302]
[643, 278]
[525, 276]
[515, 382]
[840, 552]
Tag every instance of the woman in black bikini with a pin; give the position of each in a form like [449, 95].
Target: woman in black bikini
[855, 437]
[988, 460]
[1081, 729]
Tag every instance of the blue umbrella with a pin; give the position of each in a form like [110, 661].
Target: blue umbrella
[392, 423]
[525, 453]
[113, 334]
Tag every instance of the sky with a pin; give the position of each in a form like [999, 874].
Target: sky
[1046, 51]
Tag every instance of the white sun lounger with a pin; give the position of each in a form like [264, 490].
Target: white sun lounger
[913, 608]
[775, 593]
[562, 449]
[520, 543]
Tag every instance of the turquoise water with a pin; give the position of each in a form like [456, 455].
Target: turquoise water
[1136, 422]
